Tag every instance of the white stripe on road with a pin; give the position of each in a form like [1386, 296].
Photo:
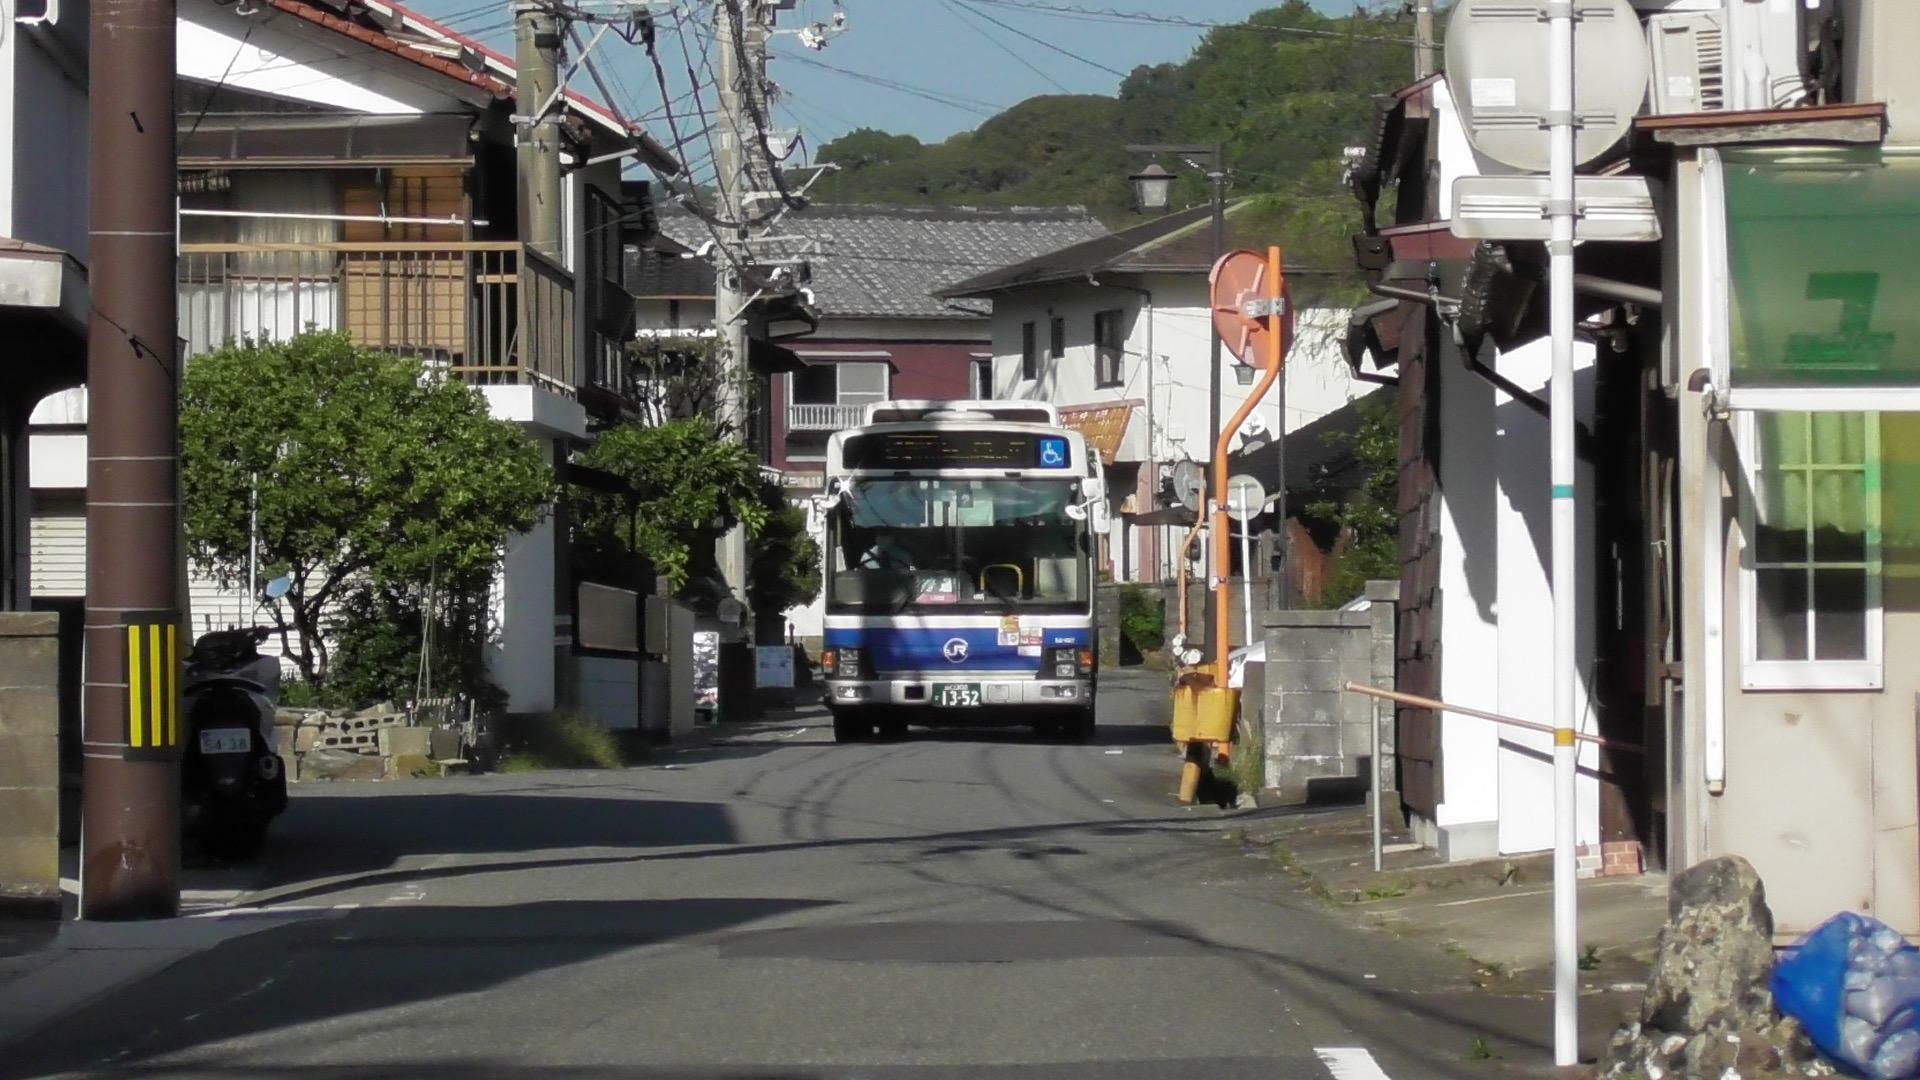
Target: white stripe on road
[1350, 1063]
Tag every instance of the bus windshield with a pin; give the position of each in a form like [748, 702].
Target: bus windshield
[944, 543]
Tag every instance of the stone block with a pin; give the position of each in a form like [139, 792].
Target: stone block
[1296, 675]
[30, 811]
[29, 659]
[1293, 644]
[29, 869]
[399, 741]
[305, 738]
[1313, 708]
[1315, 743]
[29, 756]
[444, 744]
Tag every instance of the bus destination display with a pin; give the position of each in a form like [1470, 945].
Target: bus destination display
[957, 450]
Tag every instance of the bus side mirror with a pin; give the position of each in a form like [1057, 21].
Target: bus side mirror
[1102, 519]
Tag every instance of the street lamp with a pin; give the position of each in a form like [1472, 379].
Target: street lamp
[1152, 188]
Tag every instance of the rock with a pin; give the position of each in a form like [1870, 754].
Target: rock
[1707, 1011]
[1716, 951]
[327, 763]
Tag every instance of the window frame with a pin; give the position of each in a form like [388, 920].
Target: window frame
[1057, 337]
[1114, 352]
[1810, 674]
[1029, 351]
[983, 378]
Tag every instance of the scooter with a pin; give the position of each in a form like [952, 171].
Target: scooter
[232, 781]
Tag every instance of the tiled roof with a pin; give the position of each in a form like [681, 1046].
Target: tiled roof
[1179, 243]
[892, 261]
[1103, 425]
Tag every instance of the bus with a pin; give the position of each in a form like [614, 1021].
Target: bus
[960, 562]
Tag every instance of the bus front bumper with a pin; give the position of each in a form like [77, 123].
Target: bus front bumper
[919, 692]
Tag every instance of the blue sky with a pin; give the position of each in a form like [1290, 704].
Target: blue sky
[947, 47]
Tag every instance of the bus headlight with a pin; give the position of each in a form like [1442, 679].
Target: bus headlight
[847, 663]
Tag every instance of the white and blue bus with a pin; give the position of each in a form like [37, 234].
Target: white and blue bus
[961, 550]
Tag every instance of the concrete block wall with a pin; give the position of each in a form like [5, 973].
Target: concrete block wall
[30, 761]
[1318, 738]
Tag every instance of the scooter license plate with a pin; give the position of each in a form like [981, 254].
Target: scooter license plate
[226, 741]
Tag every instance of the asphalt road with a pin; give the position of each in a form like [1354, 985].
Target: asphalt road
[774, 905]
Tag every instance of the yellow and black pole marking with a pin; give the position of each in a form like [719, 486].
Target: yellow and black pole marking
[153, 698]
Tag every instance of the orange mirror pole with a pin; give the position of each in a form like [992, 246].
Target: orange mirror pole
[1275, 315]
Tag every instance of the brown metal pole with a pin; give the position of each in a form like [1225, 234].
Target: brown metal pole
[130, 817]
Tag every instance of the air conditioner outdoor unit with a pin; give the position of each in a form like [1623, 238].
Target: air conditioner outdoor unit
[1751, 54]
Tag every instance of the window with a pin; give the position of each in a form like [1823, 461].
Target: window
[1057, 346]
[1811, 576]
[1108, 347]
[983, 380]
[862, 384]
[1029, 353]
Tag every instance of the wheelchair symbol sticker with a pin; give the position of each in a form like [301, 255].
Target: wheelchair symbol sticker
[1053, 453]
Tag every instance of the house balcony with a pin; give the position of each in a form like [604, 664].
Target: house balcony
[489, 313]
[823, 417]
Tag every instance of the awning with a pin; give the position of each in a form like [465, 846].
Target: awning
[323, 140]
[1103, 426]
[767, 358]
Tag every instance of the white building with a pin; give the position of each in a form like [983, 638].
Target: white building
[356, 172]
[1116, 331]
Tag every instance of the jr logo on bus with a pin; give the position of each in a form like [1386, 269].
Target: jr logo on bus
[955, 650]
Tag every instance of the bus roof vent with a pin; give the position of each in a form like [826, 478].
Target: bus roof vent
[1020, 412]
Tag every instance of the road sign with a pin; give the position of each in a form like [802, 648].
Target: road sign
[1246, 498]
[1241, 306]
[1617, 208]
[1497, 69]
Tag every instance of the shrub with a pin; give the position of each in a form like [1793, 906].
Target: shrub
[1143, 621]
[556, 740]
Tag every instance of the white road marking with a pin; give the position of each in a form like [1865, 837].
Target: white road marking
[1350, 1063]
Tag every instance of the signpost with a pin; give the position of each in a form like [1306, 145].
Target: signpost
[1512, 66]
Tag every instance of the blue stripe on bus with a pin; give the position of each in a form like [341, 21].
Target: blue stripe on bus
[918, 648]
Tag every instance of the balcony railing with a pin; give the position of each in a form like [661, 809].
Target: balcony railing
[490, 313]
[826, 417]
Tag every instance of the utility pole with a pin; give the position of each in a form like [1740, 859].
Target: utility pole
[739, 28]
[130, 809]
[537, 34]
[1422, 39]
[1217, 179]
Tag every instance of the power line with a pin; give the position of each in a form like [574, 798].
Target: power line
[1142, 18]
[1070, 54]
[951, 101]
[960, 13]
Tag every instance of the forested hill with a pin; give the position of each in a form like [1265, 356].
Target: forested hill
[1286, 92]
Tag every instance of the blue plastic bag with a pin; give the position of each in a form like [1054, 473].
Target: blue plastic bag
[1854, 983]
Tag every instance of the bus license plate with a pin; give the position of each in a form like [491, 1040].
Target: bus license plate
[226, 741]
[956, 695]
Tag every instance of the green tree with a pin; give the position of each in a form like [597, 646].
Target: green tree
[690, 482]
[784, 570]
[368, 472]
[1368, 518]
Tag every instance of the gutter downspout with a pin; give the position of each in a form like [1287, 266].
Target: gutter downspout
[1713, 589]
[1153, 464]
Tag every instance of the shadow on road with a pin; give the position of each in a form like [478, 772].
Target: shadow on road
[363, 961]
[330, 836]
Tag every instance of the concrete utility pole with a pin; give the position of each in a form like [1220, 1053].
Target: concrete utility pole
[130, 810]
[739, 28]
[537, 34]
[1423, 47]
